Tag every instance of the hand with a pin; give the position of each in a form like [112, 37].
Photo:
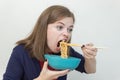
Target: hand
[47, 74]
[89, 51]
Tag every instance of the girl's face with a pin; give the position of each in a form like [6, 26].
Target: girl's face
[57, 31]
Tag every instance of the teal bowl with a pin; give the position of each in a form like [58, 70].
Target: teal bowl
[59, 63]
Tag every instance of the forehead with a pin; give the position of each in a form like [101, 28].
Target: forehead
[65, 21]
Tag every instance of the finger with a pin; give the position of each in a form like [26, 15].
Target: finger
[91, 52]
[82, 46]
[56, 74]
[94, 50]
[91, 48]
[89, 44]
[61, 73]
[86, 54]
[45, 65]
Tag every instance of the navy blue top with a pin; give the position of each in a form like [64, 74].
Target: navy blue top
[22, 67]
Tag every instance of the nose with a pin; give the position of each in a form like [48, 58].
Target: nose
[66, 33]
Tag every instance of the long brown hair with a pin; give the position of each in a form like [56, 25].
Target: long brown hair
[36, 42]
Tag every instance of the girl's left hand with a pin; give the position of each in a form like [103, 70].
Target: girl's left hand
[89, 51]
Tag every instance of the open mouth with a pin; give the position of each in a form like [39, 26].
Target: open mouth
[58, 44]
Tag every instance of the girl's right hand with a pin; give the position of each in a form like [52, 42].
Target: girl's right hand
[47, 74]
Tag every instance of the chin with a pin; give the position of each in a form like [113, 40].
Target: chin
[56, 51]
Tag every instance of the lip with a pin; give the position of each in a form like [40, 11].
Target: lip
[58, 48]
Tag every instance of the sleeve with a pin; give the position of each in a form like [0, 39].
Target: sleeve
[14, 69]
[80, 67]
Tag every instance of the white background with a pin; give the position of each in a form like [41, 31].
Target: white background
[97, 21]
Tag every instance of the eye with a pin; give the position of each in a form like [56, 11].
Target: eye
[59, 28]
[70, 30]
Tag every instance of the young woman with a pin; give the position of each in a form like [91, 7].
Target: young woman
[27, 61]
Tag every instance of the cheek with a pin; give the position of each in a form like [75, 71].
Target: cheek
[50, 38]
[50, 35]
[69, 38]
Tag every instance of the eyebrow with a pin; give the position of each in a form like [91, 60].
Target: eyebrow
[64, 24]
[61, 23]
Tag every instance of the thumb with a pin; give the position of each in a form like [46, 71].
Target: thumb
[45, 65]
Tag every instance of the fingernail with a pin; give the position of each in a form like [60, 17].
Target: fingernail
[45, 59]
[82, 46]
